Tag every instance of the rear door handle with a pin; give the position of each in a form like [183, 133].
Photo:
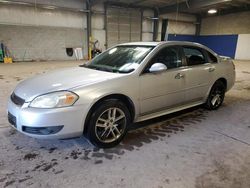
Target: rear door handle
[211, 69]
[179, 76]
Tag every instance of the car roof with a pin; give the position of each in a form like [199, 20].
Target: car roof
[140, 44]
[159, 43]
[167, 42]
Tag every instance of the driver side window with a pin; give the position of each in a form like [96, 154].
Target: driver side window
[168, 56]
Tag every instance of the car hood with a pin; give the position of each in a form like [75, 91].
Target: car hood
[63, 79]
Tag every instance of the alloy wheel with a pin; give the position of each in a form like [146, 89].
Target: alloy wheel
[217, 97]
[110, 125]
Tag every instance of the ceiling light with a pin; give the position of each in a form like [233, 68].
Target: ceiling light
[212, 11]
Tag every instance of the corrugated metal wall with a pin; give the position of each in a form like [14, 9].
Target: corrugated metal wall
[34, 33]
[147, 25]
[123, 25]
[40, 34]
[31, 43]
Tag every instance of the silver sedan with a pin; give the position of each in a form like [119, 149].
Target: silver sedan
[128, 83]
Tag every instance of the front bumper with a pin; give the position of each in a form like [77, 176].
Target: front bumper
[71, 119]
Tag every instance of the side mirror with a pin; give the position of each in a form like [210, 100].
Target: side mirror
[157, 67]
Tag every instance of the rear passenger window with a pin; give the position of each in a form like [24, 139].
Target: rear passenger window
[211, 58]
[194, 56]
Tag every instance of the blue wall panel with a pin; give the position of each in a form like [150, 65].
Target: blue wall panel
[221, 44]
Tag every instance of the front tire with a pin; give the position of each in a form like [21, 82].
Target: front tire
[216, 96]
[108, 123]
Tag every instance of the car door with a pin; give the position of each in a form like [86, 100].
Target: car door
[199, 73]
[164, 89]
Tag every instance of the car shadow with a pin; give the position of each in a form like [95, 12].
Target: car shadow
[155, 129]
[140, 134]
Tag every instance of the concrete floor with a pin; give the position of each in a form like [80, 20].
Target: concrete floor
[194, 148]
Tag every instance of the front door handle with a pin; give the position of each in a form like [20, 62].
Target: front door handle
[211, 69]
[179, 76]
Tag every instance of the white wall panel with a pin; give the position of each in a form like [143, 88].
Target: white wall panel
[42, 43]
[31, 16]
[181, 28]
[97, 21]
[98, 7]
[72, 4]
[148, 13]
[100, 35]
[180, 17]
[179, 24]
[123, 25]
[41, 34]
[147, 25]
[237, 23]
[98, 31]
[98, 25]
[147, 36]
[243, 46]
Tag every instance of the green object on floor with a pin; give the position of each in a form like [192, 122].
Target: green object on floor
[1, 55]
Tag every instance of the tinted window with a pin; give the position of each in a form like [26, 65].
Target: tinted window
[211, 57]
[168, 56]
[194, 56]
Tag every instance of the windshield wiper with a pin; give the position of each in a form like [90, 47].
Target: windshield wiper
[106, 69]
[126, 71]
[96, 68]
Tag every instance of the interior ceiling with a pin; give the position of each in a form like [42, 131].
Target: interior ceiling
[197, 7]
[226, 7]
[148, 3]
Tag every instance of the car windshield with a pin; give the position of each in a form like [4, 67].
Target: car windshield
[120, 59]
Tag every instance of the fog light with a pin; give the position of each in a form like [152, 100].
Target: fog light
[42, 130]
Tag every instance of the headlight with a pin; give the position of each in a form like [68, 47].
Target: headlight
[54, 100]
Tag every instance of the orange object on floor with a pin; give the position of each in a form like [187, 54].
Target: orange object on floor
[7, 60]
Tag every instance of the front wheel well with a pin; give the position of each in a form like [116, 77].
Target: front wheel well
[123, 98]
[224, 81]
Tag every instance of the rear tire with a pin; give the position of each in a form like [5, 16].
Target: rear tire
[216, 96]
[108, 124]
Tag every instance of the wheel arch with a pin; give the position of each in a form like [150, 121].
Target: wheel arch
[121, 97]
[223, 80]
[207, 103]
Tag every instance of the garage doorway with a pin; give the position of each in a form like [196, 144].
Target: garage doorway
[123, 25]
